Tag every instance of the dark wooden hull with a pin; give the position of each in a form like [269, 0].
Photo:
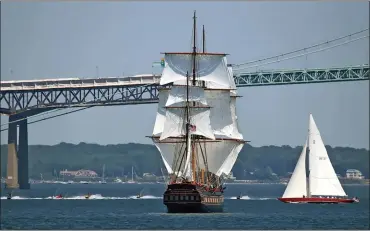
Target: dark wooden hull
[189, 198]
[317, 200]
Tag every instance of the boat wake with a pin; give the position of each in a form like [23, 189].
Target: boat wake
[100, 197]
[252, 198]
[23, 198]
[82, 197]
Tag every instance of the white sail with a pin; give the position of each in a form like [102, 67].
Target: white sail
[223, 122]
[167, 151]
[323, 180]
[216, 154]
[230, 160]
[297, 186]
[230, 77]
[161, 112]
[177, 95]
[211, 67]
[236, 130]
[175, 123]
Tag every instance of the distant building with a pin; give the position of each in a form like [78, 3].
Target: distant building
[354, 174]
[67, 173]
[79, 173]
[149, 177]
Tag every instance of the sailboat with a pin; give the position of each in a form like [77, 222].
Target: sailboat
[196, 129]
[132, 176]
[323, 185]
[103, 176]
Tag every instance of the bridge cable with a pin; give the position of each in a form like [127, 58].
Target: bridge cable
[303, 49]
[55, 110]
[300, 55]
[80, 109]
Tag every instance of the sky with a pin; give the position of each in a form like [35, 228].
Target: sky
[69, 39]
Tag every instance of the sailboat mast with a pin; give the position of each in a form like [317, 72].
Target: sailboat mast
[204, 40]
[308, 166]
[103, 171]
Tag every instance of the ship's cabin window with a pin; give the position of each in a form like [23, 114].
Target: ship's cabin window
[176, 198]
[186, 198]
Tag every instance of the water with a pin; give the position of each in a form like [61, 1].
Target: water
[114, 206]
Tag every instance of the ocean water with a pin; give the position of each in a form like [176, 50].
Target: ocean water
[114, 206]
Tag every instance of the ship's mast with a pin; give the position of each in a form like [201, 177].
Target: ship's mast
[194, 82]
[194, 46]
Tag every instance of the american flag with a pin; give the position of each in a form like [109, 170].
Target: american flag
[192, 128]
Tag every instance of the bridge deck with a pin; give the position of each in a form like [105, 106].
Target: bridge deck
[43, 84]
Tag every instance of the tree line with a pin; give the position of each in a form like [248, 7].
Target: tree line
[266, 162]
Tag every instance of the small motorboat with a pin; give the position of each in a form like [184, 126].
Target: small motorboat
[87, 196]
[60, 196]
[9, 197]
[239, 197]
[140, 195]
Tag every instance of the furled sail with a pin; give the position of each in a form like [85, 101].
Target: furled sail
[323, 180]
[297, 186]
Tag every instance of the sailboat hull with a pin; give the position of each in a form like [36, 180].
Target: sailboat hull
[317, 200]
[188, 198]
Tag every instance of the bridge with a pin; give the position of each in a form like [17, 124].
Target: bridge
[28, 95]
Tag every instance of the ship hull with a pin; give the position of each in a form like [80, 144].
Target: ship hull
[188, 198]
[193, 208]
[317, 200]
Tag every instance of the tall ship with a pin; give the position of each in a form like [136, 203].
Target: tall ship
[196, 129]
[322, 185]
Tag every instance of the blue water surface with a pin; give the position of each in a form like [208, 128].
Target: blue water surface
[114, 206]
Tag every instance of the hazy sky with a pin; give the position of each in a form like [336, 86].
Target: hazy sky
[68, 39]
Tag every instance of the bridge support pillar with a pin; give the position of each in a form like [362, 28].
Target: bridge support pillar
[23, 156]
[12, 166]
[17, 168]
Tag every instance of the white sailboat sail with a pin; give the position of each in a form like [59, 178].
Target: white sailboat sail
[297, 186]
[213, 117]
[323, 180]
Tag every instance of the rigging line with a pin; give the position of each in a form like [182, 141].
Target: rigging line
[55, 110]
[297, 56]
[80, 109]
[303, 49]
